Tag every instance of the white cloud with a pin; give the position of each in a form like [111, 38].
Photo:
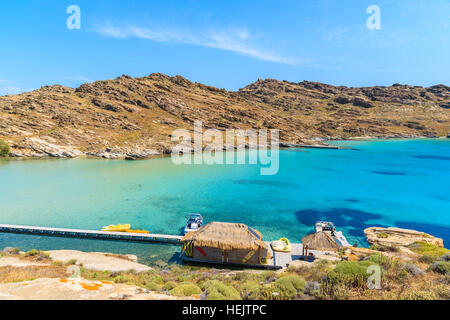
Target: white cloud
[80, 78]
[10, 90]
[235, 40]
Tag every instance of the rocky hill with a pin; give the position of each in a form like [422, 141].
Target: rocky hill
[135, 116]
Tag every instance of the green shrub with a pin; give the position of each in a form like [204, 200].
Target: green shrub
[217, 290]
[335, 291]
[420, 295]
[353, 273]
[382, 235]
[157, 279]
[32, 253]
[425, 248]
[247, 287]
[442, 267]
[185, 290]
[242, 276]
[120, 279]
[382, 260]
[153, 286]
[379, 258]
[4, 148]
[285, 288]
[264, 276]
[58, 263]
[426, 258]
[290, 286]
[296, 281]
[170, 285]
[402, 275]
[264, 292]
[71, 262]
[443, 292]
[14, 251]
[319, 269]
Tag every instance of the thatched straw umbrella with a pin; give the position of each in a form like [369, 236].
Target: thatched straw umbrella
[227, 243]
[226, 236]
[319, 241]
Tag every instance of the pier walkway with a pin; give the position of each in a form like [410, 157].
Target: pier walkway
[279, 259]
[91, 234]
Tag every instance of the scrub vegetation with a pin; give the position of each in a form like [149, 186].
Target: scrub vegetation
[4, 148]
[400, 280]
[413, 279]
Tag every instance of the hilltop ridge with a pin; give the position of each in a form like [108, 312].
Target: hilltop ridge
[136, 116]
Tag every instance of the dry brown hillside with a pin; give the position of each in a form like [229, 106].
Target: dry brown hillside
[136, 116]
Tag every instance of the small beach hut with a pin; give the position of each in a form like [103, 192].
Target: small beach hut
[321, 240]
[226, 243]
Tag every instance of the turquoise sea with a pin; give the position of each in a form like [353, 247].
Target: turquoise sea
[404, 183]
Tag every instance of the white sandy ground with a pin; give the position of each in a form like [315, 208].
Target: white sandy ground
[99, 261]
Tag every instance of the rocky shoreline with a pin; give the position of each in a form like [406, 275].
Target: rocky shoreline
[40, 149]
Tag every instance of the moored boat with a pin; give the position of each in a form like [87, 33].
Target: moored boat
[324, 226]
[327, 226]
[195, 221]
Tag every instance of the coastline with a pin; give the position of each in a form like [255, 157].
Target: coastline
[105, 155]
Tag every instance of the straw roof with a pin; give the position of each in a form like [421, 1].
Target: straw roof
[320, 241]
[226, 236]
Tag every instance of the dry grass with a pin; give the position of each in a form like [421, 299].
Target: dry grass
[19, 274]
[426, 287]
[397, 283]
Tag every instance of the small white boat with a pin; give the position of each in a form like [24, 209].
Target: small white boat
[195, 221]
[329, 227]
[325, 226]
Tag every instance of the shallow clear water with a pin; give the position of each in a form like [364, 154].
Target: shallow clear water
[401, 183]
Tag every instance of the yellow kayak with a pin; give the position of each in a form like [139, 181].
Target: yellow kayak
[282, 245]
[118, 228]
[136, 231]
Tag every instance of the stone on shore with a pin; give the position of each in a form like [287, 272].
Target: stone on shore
[40, 146]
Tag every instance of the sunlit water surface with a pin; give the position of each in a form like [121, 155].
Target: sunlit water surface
[402, 183]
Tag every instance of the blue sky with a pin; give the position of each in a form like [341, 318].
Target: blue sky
[227, 44]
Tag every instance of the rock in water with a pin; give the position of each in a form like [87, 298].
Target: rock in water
[398, 237]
